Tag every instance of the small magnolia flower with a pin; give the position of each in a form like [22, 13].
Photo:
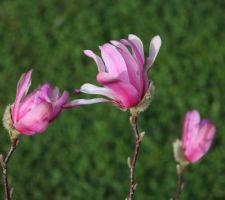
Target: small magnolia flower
[121, 72]
[32, 113]
[197, 136]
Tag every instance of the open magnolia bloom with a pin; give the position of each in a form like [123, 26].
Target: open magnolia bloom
[197, 137]
[32, 113]
[121, 72]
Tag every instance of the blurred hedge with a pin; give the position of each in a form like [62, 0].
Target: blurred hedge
[83, 154]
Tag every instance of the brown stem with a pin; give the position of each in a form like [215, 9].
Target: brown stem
[4, 162]
[132, 162]
[180, 181]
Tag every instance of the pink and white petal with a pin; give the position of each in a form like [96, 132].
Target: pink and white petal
[190, 128]
[36, 120]
[93, 89]
[137, 55]
[120, 45]
[97, 59]
[193, 155]
[105, 77]
[44, 91]
[58, 105]
[78, 102]
[154, 47]
[22, 89]
[205, 136]
[124, 93]
[138, 43]
[114, 62]
[27, 104]
[136, 77]
[202, 143]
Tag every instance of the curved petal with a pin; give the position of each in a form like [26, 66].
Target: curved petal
[202, 143]
[190, 128]
[77, 102]
[138, 43]
[93, 89]
[36, 120]
[138, 77]
[125, 94]
[154, 47]
[97, 59]
[44, 91]
[22, 88]
[136, 52]
[58, 105]
[27, 104]
[114, 62]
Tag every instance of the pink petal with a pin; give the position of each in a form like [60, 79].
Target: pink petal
[44, 91]
[34, 98]
[136, 77]
[154, 47]
[97, 59]
[22, 88]
[202, 143]
[125, 94]
[27, 104]
[114, 62]
[36, 120]
[77, 102]
[136, 53]
[190, 127]
[138, 43]
[135, 73]
[58, 105]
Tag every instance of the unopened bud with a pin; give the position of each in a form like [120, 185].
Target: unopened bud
[142, 134]
[129, 162]
[1, 158]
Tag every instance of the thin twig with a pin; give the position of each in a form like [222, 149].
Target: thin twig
[180, 181]
[132, 162]
[4, 162]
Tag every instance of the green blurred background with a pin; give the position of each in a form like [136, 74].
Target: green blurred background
[83, 153]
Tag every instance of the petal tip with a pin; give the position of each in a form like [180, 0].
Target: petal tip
[156, 40]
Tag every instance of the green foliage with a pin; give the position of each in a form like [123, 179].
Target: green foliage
[83, 154]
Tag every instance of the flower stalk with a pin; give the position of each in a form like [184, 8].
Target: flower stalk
[180, 181]
[132, 162]
[4, 162]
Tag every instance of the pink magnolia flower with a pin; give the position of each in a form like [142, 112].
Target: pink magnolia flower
[197, 136]
[32, 113]
[121, 72]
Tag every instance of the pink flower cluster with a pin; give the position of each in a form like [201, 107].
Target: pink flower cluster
[123, 74]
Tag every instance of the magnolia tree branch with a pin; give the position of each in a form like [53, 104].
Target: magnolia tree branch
[132, 162]
[4, 161]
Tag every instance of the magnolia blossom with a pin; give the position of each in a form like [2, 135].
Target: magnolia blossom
[32, 113]
[197, 136]
[122, 71]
